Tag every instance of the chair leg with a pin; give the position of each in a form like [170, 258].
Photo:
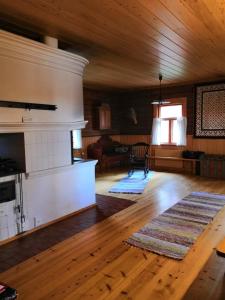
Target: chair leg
[130, 172]
[146, 170]
[145, 174]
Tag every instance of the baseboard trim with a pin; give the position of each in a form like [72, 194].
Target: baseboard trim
[171, 170]
[18, 236]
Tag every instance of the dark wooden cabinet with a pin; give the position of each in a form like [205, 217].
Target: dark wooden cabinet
[104, 112]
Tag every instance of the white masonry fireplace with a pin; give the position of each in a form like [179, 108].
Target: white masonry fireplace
[52, 185]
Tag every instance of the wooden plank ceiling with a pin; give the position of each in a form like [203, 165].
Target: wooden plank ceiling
[129, 42]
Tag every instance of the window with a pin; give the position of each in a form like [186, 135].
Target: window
[170, 124]
[168, 115]
[77, 139]
[77, 153]
[170, 111]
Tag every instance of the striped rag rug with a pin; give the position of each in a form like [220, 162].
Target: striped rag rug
[132, 185]
[173, 232]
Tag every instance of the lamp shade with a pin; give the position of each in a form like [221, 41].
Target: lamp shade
[160, 101]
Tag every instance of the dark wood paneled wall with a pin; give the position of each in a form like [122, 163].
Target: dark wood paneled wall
[92, 100]
[140, 101]
[126, 132]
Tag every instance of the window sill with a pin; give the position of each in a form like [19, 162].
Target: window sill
[164, 146]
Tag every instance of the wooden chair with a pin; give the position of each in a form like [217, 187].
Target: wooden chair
[139, 154]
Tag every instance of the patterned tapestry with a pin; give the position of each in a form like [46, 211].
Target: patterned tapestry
[210, 111]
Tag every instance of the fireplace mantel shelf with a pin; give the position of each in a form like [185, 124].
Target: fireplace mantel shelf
[84, 163]
[28, 126]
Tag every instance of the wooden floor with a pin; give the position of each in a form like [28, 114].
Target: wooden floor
[22, 248]
[96, 264]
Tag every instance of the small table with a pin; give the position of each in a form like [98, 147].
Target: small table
[220, 249]
[210, 283]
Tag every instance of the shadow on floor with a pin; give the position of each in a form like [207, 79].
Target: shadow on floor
[25, 247]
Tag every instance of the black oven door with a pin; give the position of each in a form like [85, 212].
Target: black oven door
[7, 191]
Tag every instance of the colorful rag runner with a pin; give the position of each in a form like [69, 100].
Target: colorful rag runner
[175, 231]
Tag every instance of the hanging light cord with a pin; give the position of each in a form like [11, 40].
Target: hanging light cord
[160, 89]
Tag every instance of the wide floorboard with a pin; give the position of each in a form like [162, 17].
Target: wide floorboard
[97, 264]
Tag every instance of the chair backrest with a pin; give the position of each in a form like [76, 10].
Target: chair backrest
[107, 144]
[139, 150]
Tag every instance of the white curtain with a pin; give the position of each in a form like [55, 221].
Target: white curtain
[156, 131]
[181, 131]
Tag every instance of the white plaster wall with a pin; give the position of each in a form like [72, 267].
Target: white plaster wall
[34, 72]
[26, 82]
[50, 196]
